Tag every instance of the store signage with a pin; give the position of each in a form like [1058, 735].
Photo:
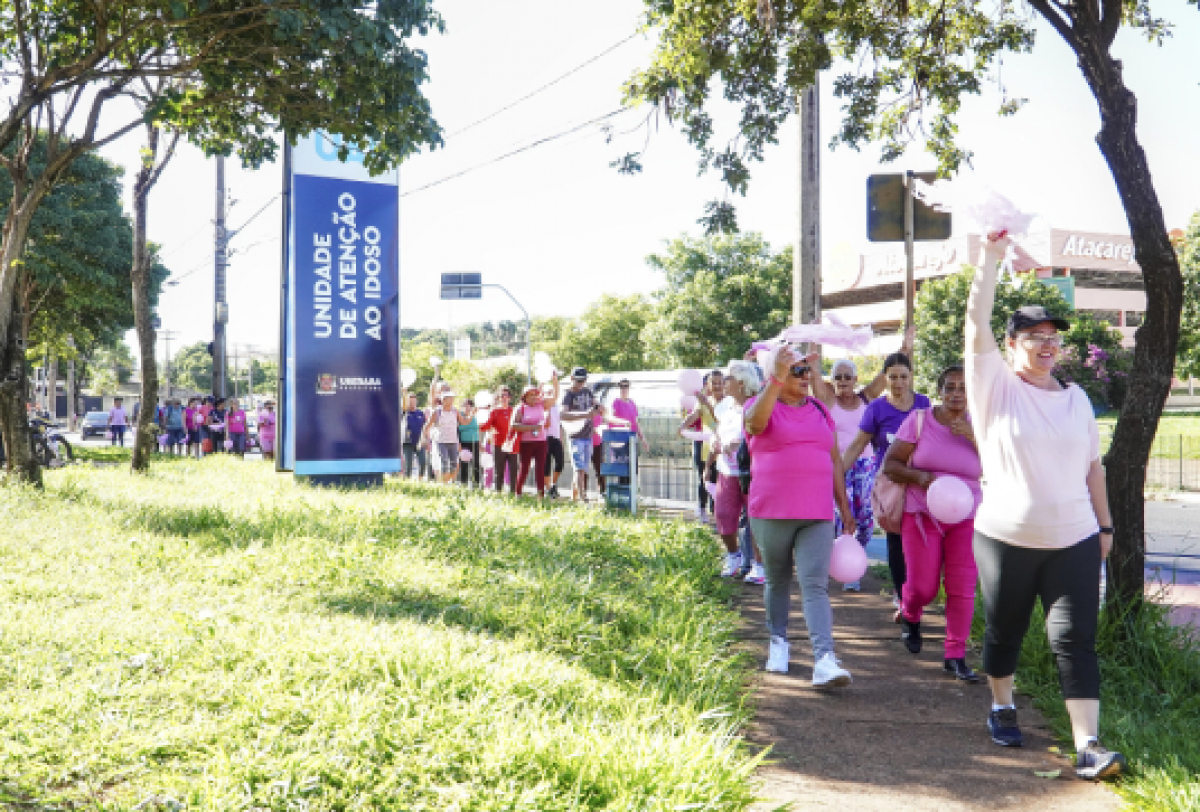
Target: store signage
[1076, 249]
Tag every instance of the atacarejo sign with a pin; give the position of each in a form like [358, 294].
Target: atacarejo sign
[342, 318]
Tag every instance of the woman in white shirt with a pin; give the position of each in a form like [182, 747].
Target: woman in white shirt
[1043, 526]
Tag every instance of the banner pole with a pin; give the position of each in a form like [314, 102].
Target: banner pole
[284, 310]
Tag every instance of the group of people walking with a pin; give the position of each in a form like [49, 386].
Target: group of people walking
[210, 425]
[515, 442]
[791, 460]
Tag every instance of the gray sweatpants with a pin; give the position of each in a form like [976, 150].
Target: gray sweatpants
[807, 543]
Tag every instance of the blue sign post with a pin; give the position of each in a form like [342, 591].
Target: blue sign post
[340, 415]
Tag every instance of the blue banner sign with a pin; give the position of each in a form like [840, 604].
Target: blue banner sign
[342, 341]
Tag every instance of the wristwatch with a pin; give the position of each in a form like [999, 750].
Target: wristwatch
[1106, 531]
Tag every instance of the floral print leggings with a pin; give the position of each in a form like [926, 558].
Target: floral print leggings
[859, 481]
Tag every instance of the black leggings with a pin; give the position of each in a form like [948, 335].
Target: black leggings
[1068, 582]
[895, 551]
[698, 455]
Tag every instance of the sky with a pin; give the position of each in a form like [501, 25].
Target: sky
[558, 227]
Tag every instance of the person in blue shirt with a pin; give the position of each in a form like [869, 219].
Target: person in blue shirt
[414, 426]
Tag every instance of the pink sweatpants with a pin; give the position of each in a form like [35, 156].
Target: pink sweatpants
[947, 549]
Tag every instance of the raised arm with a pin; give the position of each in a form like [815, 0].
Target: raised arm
[758, 415]
[979, 336]
[875, 388]
[855, 449]
[822, 389]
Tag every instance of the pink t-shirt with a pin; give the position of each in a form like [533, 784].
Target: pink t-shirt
[939, 451]
[846, 421]
[116, 416]
[626, 410]
[528, 415]
[266, 424]
[597, 434]
[790, 464]
[236, 422]
[192, 418]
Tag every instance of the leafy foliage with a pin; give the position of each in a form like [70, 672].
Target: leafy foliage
[192, 368]
[1188, 357]
[608, 337]
[722, 293]
[77, 259]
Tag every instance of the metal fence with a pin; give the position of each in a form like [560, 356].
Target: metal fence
[1174, 461]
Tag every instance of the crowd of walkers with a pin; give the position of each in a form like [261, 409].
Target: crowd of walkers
[789, 460]
[514, 443]
[209, 425]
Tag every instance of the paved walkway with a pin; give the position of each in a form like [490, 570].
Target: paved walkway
[903, 737]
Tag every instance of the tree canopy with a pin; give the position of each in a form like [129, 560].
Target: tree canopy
[1189, 333]
[78, 259]
[722, 292]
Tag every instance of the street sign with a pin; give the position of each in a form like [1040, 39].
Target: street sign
[462, 286]
[1065, 285]
[885, 211]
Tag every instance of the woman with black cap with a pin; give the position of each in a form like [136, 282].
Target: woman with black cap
[1043, 526]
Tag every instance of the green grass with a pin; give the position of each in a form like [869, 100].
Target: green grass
[220, 636]
[1150, 703]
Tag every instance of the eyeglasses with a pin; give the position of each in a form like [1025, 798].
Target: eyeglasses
[844, 376]
[800, 370]
[1031, 340]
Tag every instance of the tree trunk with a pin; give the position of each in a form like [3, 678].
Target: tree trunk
[52, 387]
[146, 432]
[1156, 339]
[14, 379]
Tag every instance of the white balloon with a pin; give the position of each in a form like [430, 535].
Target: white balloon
[435, 361]
[544, 374]
[407, 377]
[541, 359]
[483, 399]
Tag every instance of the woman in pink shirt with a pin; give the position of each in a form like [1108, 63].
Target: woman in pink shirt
[529, 420]
[193, 419]
[795, 467]
[932, 443]
[235, 420]
[266, 430]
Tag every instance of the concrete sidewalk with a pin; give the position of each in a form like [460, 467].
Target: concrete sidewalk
[904, 737]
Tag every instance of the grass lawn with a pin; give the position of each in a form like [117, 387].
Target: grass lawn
[217, 636]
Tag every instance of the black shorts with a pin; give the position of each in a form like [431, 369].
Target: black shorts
[556, 462]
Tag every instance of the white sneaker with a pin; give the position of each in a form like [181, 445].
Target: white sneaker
[778, 655]
[733, 563]
[828, 673]
[853, 586]
[756, 574]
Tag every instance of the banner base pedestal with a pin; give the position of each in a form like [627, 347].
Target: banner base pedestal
[342, 480]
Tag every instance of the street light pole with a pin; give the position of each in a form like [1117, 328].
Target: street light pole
[528, 334]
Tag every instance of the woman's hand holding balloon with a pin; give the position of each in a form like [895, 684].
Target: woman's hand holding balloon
[784, 360]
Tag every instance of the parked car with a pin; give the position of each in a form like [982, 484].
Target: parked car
[94, 423]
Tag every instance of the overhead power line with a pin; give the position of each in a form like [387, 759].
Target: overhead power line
[546, 86]
[516, 151]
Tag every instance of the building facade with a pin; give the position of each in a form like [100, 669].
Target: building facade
[1095, 273]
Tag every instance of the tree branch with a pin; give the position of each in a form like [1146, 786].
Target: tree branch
[1061, 25]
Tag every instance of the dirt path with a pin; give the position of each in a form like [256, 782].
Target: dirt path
[903, 737]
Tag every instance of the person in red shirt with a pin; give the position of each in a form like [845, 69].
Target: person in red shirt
[498, 424]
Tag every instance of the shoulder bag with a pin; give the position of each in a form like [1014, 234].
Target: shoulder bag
[887, 496]
[512, 443]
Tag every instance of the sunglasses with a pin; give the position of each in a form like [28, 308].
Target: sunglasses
[1033, 340]
[843, 376]
[800, 370]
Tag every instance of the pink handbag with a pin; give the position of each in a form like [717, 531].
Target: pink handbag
[887, 497]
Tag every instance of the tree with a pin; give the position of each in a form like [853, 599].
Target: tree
[550, 335]
[1189, 334]
[244, 69]
[109, 366]
[608, 337]
[907, 67]
[192, 368]
[722, 293]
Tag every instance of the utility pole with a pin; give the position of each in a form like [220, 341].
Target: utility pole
[221, 307]
[806, 263]
[71, 385]
[166, 336]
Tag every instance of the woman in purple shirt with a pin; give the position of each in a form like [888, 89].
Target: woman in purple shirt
[879, 425]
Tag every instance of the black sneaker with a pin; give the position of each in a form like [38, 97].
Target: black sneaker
[958, 668]
[1096, 762]
[911, 635]
[1002, 724]
[553, 491]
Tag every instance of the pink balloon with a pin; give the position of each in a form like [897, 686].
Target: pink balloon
[687, 402]
[848, 562]
[228, 444]
[162, 439]
[950, 500]
[465, 455]
[690, 381]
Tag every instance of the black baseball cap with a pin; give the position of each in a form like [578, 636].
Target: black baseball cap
[579, 374]
[1031, 316]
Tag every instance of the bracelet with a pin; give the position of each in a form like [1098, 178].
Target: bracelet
[1106, 531]
[773, 381]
